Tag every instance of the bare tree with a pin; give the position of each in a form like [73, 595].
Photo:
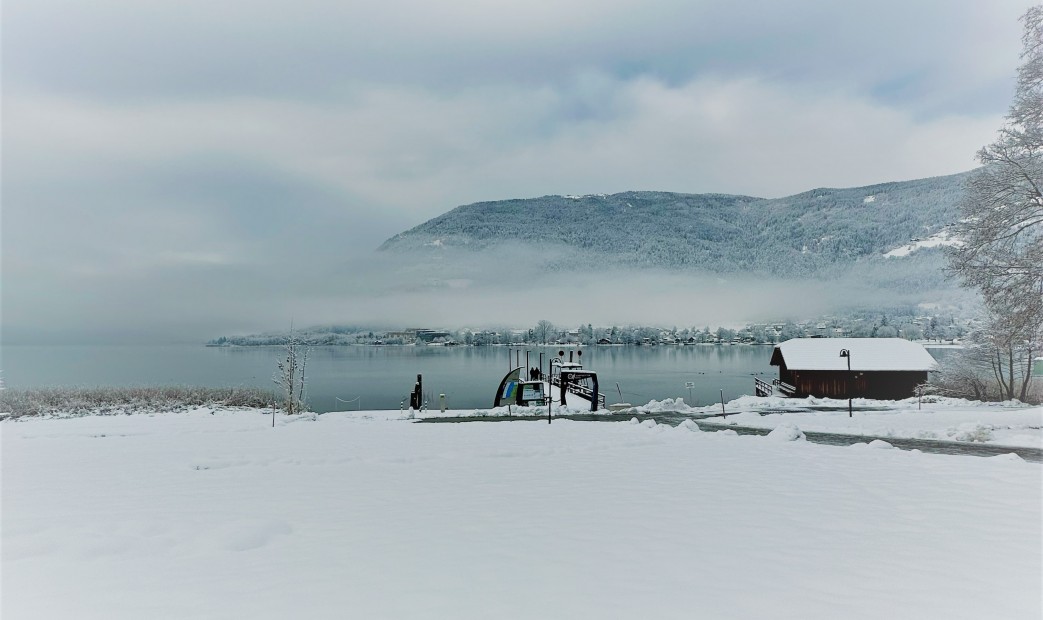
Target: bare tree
[543, 330]
[290, 374]
[1001, 230]
[1009, 353]
[996, 364]
[1002, 225]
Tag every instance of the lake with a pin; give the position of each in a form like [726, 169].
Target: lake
[381, 377]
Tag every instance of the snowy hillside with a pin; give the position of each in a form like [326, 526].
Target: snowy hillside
[820, 232]
[940, 239]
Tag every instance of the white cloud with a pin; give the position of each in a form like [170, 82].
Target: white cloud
[163, 151]
[421, 152]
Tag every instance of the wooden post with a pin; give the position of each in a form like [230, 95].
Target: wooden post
[722, 405]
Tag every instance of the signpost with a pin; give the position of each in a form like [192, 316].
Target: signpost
[689, 385]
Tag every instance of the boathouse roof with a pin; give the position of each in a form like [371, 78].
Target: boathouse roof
[867, 354]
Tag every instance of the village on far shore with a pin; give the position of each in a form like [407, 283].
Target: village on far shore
[948, 329]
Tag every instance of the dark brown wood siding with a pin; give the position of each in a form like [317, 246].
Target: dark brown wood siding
[895, 384]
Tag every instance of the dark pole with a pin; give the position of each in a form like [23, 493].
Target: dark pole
[550, 401]
[847, 354]
[528, 369]
[541, 365]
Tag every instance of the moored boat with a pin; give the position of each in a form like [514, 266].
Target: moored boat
[568, 384]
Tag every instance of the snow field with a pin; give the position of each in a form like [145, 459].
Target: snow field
[201, 515]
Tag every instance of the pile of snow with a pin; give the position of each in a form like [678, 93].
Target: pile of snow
[667, 405]
[217, 514]
[689, 425]
[1008, 423]
[786, 432]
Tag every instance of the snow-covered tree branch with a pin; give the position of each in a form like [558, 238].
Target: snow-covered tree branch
[1001, 229]
[290, 374]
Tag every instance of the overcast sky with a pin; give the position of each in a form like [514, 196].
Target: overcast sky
[181, 170]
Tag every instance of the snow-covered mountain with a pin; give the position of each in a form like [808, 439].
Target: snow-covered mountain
[819, 233]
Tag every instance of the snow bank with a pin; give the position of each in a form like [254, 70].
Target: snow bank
[689, 425]
[1009, 423]
[667, 404]
[786, 432]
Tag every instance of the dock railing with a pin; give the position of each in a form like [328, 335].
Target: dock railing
[579, 390]
[762, 388]
[784, 388]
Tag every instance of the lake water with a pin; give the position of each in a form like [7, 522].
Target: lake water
[366, 377]
[352, 377]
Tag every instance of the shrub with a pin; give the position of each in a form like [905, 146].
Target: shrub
[107, 400]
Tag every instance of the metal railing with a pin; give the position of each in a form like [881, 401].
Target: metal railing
[579, 390]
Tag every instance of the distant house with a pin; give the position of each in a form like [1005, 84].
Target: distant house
[428, 336]
[888, 368]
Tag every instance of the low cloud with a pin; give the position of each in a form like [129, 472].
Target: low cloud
[176, 190]
[176, 206]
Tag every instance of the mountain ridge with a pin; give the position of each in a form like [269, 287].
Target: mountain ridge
[822, 232]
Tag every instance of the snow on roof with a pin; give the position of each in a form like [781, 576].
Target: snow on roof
[866, 354]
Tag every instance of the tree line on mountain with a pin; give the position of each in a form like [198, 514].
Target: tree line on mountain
[799, 235]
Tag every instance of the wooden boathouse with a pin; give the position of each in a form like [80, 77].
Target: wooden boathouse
[886, 368]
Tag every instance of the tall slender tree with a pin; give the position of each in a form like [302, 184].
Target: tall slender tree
[290, 374]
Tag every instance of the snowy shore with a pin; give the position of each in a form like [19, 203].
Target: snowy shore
[1009, 423]
[216, 514]
[950, 419]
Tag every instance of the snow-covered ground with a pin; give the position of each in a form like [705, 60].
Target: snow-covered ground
[940, 238]
[365, 515]
[950, 419]
[1003, 424]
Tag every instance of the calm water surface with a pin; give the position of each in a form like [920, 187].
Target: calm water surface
[366, 377]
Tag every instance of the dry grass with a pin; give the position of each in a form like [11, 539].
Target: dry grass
[110, 400]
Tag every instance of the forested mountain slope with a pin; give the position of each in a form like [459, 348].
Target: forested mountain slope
[822, 232]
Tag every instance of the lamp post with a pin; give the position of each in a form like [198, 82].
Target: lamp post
[847, 354]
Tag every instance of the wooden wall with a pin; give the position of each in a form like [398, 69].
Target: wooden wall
[839, 384]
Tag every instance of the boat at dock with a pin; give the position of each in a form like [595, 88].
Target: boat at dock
[567, 384]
